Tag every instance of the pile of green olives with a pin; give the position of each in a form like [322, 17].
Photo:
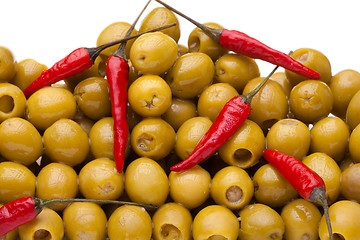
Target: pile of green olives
[58, 143]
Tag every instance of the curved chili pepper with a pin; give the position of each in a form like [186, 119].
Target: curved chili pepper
[230, 118]
[77, 61]
[305, 181]
[241, 43]
[24, 210]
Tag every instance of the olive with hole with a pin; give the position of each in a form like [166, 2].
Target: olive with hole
[350, 183]
[28, 71]
[172, 221]
[8, 65]
[190, 188]
[232, 187]
[12, 101]
[236, 70]
[180, 111]
[353, 111]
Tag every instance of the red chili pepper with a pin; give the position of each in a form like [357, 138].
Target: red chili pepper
[230, 118]
[117, 74]
[24, 210]
[241, 43]
[77, 61]
[304, 180]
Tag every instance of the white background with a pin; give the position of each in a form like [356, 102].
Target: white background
[48, 30]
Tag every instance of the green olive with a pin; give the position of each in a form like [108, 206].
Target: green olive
[353, 111]
[271, 188]
[215, 222]
[199, 41]
[344, 217]
[280, 78]
[172, 221]
[232, 187]
[328, 170]
[66, 142]
[289, 136]
[149, 96]
[20, 141]
[330, 135]
[102, 138]
[343, 86]
[345, 163]
[350, 183]
[301, 220]
[354, 140]
[245, 147]
[260, 222]
[8, 66]
[28, 71]
[213, 99]
[159, 17]
[236, 70]
[99, 179]
[84, 122]
[311, 100]
[146, 182]
[153, 138]
[190, 75]
[59, 181]
[189, 135]
[269, 105]
[49, 104]
[182, 50]
[153, 53]
[190, 188]
[312, 59]
[12, 101]
[180, 110]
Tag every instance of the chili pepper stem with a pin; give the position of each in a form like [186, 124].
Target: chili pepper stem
[318, 195]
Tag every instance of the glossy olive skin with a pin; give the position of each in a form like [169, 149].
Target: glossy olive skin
[354, 144]
[13, 235]
[343, 86]
[350, 179]
[179, 111]
[347, 162]
[149, 96]
[153, 53]
[12, 101]
[189, 135]
[232, 187]
[190, 75]
[328, 170]
[98, 179]
[153, 138]
[84, 122]
[47, 225]
[66, 142]
[28, 71]
[330, 135]
[215, 222]
[102, 138]
[146, 182]
[16, 181]
[280, 78]
[311, 100]
[301, 220]
[20, 141]
[172, 221]
[49, 104]
[213, 99]
[84, 221]
[93, 98]
[245, 147]
[236, 70]
[289, 136]
[269, 105]
[353, 111]
[8, 66]
[159, 17]
[182, 50]
[199, 41]
[129, 222]
[344, 217]
[260, 222]
[190, 188]
[312, 59]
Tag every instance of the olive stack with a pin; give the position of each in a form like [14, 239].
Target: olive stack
[58, 143]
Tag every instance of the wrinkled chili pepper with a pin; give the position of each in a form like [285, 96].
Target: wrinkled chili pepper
[77, 61]
[117, 74]
[25, 209]
[230, 118]
[241, 43]
[305, 181]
